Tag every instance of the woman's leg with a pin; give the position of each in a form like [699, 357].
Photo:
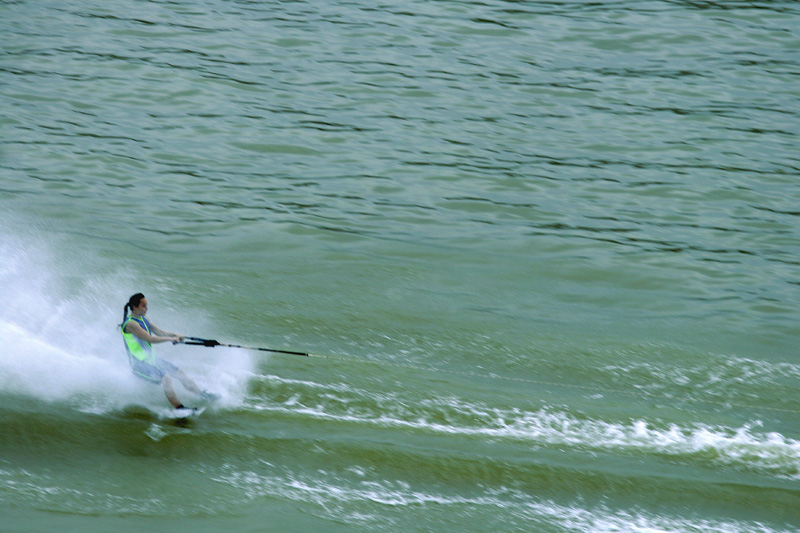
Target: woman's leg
[187, 382]
[169, 390]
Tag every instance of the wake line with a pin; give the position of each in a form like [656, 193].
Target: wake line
[737, 446]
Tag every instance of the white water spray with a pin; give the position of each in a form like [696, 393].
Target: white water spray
[60, 339]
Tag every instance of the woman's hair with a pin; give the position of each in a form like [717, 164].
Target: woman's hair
[134, 301]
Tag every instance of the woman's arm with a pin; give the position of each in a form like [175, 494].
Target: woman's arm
[160, 335]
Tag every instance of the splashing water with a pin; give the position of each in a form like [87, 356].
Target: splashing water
[60, 339]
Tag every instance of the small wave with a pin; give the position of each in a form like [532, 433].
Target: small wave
[712, 379]
[354, 503]
[726, 369]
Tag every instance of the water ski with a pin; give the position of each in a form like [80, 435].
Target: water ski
[206, 399]
[182, 413]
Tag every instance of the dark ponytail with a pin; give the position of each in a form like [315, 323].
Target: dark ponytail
[134, 301]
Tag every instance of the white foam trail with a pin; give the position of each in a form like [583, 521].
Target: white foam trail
[744, 446]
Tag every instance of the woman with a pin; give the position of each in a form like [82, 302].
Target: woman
[140, 334]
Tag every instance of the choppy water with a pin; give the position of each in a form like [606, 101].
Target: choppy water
[547, 252]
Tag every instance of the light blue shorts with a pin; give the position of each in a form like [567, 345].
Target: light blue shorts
[153, 373]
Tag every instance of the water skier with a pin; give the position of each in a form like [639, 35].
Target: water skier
[140, 334]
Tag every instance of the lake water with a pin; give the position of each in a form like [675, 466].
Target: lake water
[546, 254]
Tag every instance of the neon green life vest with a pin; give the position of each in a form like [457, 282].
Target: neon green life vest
[138, 348]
